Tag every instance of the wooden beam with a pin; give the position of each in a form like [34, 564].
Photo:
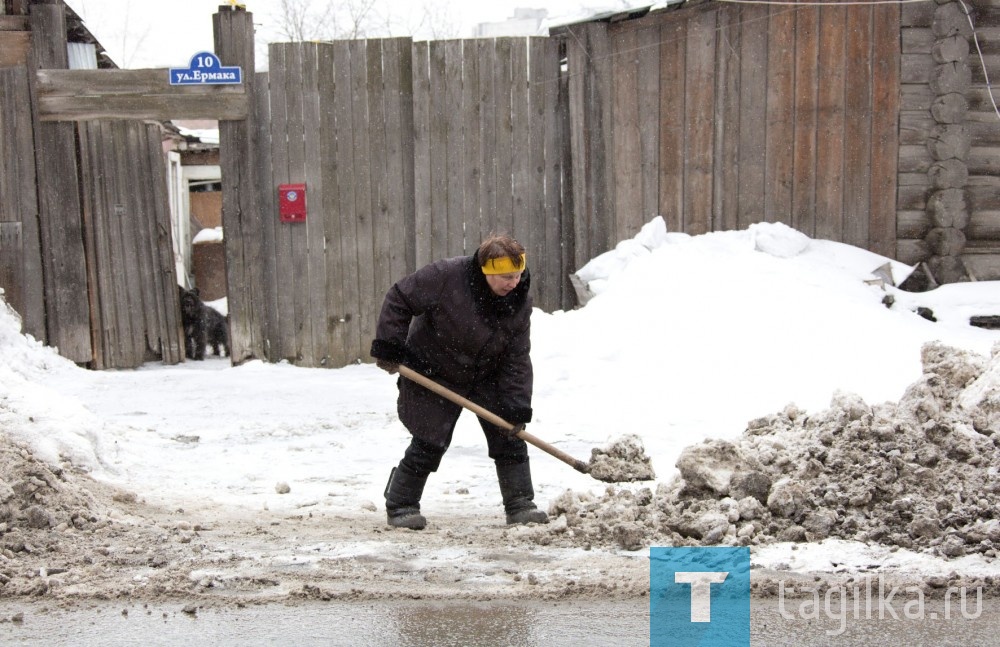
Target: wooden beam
[77, 95]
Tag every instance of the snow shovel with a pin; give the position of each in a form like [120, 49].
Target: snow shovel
[493, 418]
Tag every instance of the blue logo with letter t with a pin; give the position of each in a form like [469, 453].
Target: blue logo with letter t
[699, 597]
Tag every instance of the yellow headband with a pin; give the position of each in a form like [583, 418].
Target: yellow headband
[503, 265]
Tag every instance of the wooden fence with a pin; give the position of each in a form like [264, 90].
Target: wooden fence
[85, 250]
[717, 116]
[409, 152]
[127, 236]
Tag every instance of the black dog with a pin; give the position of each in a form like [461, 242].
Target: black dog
[203, 326]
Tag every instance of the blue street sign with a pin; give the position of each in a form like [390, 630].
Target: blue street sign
[205, 69]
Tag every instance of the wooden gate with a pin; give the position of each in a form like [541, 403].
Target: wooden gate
[409, 152]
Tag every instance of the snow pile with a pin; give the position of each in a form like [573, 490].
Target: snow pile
[921, 473]
[622, 461]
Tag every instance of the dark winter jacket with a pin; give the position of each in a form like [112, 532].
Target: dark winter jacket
[444, 321]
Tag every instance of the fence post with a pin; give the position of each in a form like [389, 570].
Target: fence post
[242, 217]
[67, 303]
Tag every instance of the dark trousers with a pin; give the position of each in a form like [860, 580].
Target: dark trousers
[422, 457]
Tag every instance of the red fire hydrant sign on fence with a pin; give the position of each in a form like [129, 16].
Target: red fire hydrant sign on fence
[292, 202]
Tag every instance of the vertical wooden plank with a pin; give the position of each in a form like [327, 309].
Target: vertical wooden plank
[520, 112]
[242, 217]
[648, 69]
[329, 144]
[779, 151]
[111, 151]
[626, 159]
[578, 70]
[830, 124]
[18, 166]
[145, 302]
[885, 125]
[367, 306]
[700, 115]
[267, 309]
[298, 278]
[347, 179]
[164, 269]
[455, 244]
[486, 51]
[503, 80]
[804, 177]
[725, 204]
[399, 161]
[858, 132]
[133, 305]
[65, 271]
[566, 197]
[406, 157]
[94, 210]
[377, 140]
[284, 337]
[753, 102]
[423, 204]
[317, 307]
[542, 79]
[673, 62]
[471, 171]
[438, 120]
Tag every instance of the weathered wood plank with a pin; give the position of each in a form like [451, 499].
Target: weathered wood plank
[578, 63]
[648, 44]
[625, 125]
[65, 273]
[779, 152]
[92, 199]
[673, 62]
[503, 221]
[830, 124]
[111, 150]
[884, 138]
[471, 153]
[19, 202]
[332, 211]
[298, 278]
[521, 184]
[283, 342]
[858, 127]
[164, 268]
[543, 87]
[455, 244]
[244, 192]
[753, 102]
[438, 161]
[804, 179]
[133, 94]
[144, 302]
[700, 117]
[317, 308]
[382, 225]
[399, 137]
[725, 203]
[262, 231]
[423, 204]
[14, 48]
[485, 54]
[369, 303]
[355, 345]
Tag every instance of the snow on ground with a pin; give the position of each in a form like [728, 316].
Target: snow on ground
[687, 338]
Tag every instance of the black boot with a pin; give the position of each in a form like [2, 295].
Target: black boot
[518, 495]
[402, 500]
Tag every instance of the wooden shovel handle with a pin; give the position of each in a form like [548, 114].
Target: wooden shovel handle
[491, 417]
